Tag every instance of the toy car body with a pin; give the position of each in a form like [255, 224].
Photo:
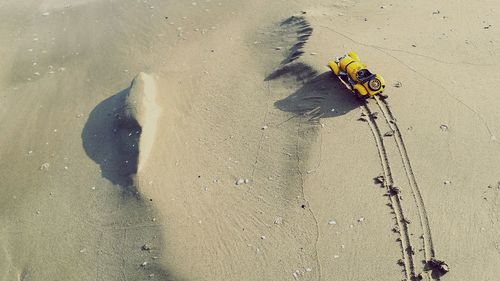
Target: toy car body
[356, 76]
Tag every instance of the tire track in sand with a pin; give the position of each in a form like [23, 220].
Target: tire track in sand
[419, 202]
[401, 221]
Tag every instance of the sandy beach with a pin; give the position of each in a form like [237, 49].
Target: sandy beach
[208, 140]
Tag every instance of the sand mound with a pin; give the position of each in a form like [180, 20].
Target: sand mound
[120, 127]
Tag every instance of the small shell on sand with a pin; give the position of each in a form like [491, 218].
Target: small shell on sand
[44, 166]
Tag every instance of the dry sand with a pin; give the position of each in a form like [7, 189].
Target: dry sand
[206, 140]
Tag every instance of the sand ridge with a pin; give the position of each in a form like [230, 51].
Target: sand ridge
[141, 105]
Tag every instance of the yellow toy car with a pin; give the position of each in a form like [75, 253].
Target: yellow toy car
[356, 76]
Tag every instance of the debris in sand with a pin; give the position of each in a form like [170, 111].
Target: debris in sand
[389, 134]
[264, 127]
[379, 179]
[437, 12]
[45, 14]
[93, 188]
[447, 182]
[332, 222]
[44, 166]
[438, 265]
[144, 264]
[361, 219]
[246, 181]
[263, 237]
[444, 127]
[278, 48]
[397, 84]
[146, 247]
[240, 181]
[393, 190]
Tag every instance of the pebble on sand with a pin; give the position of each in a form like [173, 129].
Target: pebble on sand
[240, 181]
[146, 247]
[278, 221]
[332, 222]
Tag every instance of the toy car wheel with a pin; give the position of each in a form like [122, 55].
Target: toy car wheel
[353, 55]
[334, 67]
[375, 84]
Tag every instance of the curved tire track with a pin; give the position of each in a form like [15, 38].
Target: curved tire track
[401, 222]
[424, 220]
